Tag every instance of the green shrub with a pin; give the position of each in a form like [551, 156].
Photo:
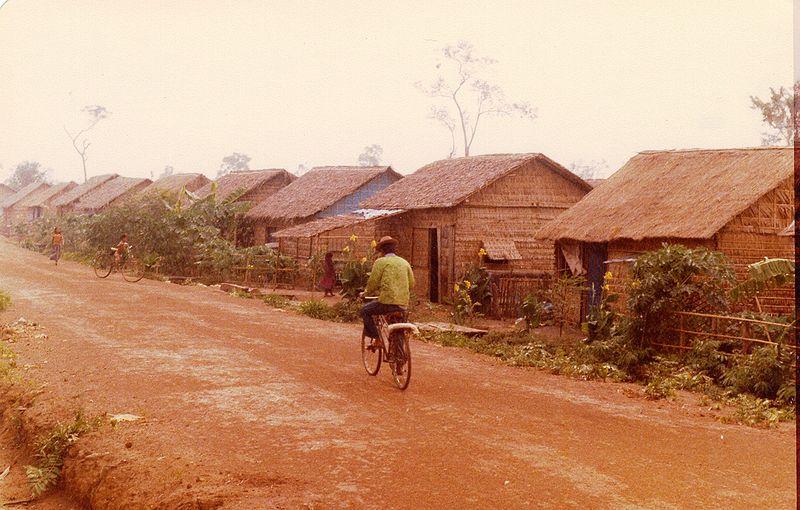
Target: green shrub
[672, 279]
[276, 301]
[347, 311]
[757, 412]
[5, 301]
[762, 373]
[50, 449]
[354, 277]
[706, 358]
[532, 309]
[317, 309]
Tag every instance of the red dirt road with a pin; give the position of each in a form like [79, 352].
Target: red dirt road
[250, 407]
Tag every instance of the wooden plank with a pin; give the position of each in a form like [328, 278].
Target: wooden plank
[712, 316]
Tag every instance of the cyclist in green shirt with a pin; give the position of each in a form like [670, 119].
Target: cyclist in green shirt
[391, 280]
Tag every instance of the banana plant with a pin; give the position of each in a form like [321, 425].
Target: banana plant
[763, 275]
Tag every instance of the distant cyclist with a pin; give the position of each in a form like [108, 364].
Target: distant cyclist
[391, 281]
[121, 250]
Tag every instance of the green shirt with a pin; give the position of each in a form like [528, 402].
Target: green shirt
[391, 280]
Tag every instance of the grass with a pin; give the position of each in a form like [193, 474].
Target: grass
[5, 300]
[662, 377]
[49, 451]
[276, 301]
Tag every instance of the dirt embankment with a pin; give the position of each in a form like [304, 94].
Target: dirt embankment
[249, 407]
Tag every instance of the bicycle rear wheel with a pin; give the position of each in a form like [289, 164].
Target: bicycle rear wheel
[370, 356]
[401, 361]
[132, 270]
[102, 263]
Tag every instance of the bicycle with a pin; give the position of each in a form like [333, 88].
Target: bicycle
[131, 268]
[393, 347]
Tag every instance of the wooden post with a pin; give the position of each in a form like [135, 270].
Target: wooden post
[745, 333]
[681, 326]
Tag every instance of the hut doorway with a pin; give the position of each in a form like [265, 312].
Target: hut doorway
[433, 265]
[595, 256]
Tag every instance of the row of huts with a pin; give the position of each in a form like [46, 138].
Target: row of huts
[524, 217]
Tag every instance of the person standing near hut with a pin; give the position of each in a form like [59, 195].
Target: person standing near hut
[391, 280]
[57, 244]
[329, 275]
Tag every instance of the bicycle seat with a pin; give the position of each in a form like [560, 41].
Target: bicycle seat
[395, 317]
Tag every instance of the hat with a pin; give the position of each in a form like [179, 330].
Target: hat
[384, 241]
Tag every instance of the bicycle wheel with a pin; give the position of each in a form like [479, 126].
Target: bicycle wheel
[370, 356]
[132, 270]
[401, 361]
[102, 263]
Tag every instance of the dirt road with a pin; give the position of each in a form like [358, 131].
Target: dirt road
[251, 407]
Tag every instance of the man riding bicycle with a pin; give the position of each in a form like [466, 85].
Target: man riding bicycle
[391, 280]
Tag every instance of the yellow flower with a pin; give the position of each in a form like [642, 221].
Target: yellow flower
[609, 275]
[635, 284]
[467, 284]
[456, 287]
[481, 252]
[346, 249]
[374, 243]
[363, 260]
[353, 237]
[606, 287]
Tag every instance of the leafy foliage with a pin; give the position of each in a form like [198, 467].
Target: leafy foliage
[26, 173]
[762, 373]
[50, 449]
[5, 300]
[763, 275]
[672, 279]
[317, 309]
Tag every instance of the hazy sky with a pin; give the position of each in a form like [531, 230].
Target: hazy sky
[289, 82]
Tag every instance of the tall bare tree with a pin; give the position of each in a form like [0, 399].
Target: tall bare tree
[780, 114]
[465, 94]
[589, 170]
[96, 113]
[371, 156]
[232, 163]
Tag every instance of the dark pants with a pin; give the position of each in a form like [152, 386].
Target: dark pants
[369, 310]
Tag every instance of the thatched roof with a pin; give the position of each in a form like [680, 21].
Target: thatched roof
[6, 191]
[687, 194]
[246, 180]
[109, 191]
[317, 190]
[448, 182]
[176, 182]
[12, 200]
[322, 225]
[44, 195]
[81, 189]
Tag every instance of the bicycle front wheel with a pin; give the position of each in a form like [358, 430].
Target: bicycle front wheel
[401, 361]
[370, 355]
[101, 264]
[132, 270]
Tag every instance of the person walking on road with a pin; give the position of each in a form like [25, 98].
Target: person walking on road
[329, 275]
[57, 244]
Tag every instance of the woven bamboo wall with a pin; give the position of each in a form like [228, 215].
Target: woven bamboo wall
[514, 207]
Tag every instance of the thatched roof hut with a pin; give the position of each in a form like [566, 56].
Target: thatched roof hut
[12, 212]
[735, 201]
[322, 192]
[173, 184]
[67, 202]
[247, 185]
[445, 212]
[111, 192]
[41, 203]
